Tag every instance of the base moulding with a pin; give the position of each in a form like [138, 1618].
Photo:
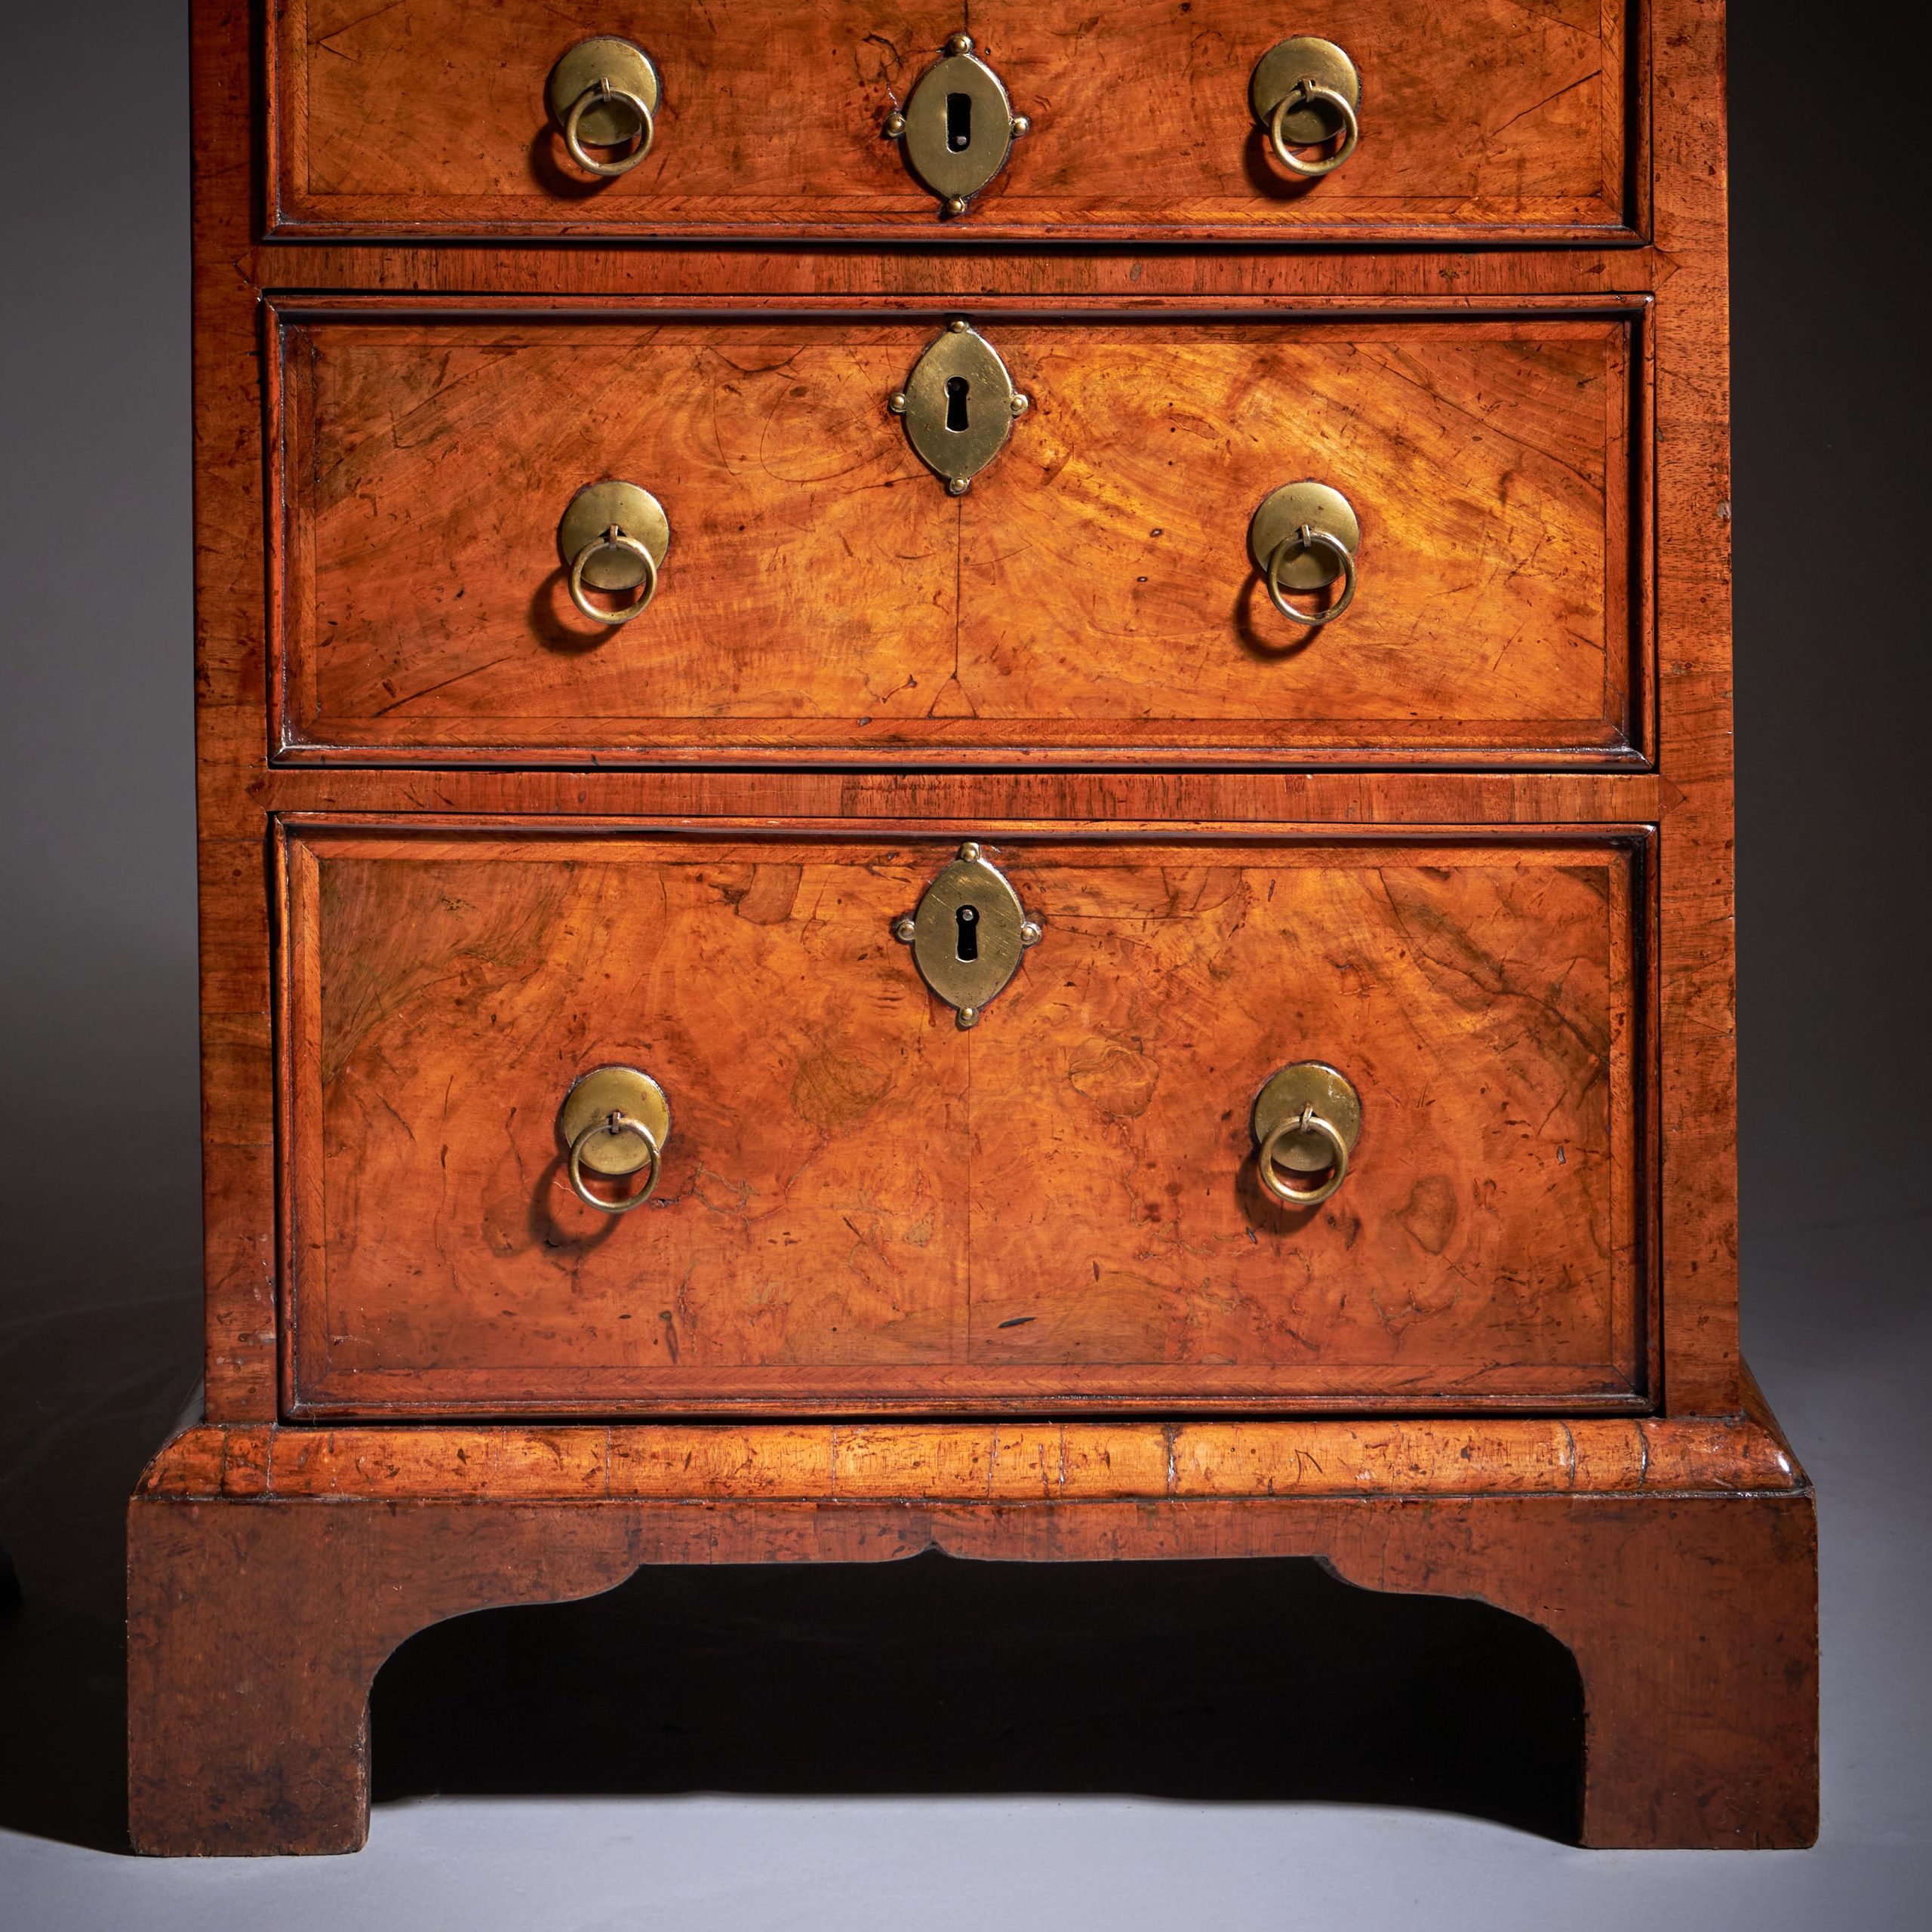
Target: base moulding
[272, 1570]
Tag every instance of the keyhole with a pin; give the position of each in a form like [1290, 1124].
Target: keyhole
[967, 918]
[958, 121]
[957, 389]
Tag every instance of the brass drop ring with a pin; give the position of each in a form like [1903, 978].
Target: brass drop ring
[613, 539]
[597, 96]
[1298, 95]
[613, 1123]
[1308, 538]
[1307, 1121]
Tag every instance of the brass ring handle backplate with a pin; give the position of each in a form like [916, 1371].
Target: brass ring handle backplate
[612, 538]
[603, 93]
[614, 1120]
[1306, 93]
[1306, 1121]
[1301, 538]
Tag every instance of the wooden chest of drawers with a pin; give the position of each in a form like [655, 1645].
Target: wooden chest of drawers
[915, 835]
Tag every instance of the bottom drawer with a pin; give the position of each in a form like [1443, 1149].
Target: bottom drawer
[862, 1206]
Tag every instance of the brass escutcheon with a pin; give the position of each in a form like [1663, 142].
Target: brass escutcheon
[613, 537]
[959, 404]
[958, 126]
[1302, 537]
[1307, 1119]
[604, 93]
[967, 933]
[1307, 92]
[613, 1120]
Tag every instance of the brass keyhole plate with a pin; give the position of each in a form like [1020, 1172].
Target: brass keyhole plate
[1307, 1083]
[959, 96]
[593, 511]
[967, 933]
[620, 66]
[959, 404]
[595, 1096]
[1284, 511]
[1303, 58]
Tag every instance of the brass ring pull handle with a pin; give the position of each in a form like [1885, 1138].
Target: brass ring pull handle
[615, 539]
[615, 1125]
[1306, 93]
[1307, 1121]
[603, 93]
[614, 1120]
[612, 538]
[1301, 1125]
[1302, 537]
[1306, 538]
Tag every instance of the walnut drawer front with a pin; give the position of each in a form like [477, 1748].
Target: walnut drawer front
[863, 1207]
[1092, 596]
[1479, 120]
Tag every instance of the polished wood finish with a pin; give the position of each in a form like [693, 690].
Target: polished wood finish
[1494, 120]
[862, 1205]
[275, 1561]
[811, 582]
[1093, 594]
[964, 1462]
[1105, 577]
[1687, 797]
[1692, 1615]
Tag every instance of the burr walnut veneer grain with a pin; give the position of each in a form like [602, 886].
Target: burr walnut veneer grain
[863, 1205]
[1690, 1612]
[1010, 1292]
[1490, 120]
[1093, 594]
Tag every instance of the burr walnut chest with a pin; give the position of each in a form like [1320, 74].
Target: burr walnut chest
[965, 783]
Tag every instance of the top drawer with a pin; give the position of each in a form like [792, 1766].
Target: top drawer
[1496, 120]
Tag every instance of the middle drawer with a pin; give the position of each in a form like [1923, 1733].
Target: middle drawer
[1098, 591]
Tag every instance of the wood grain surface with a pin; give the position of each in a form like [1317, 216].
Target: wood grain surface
[814, 564]
[1014, 1461]
[863, 1203]
[255, 1628]
[1481, 120]
[1678, 46]
[1559, 942]
[1093, 594]
[1106, 575]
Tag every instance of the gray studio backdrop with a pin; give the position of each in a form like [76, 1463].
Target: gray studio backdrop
[99, 1268]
